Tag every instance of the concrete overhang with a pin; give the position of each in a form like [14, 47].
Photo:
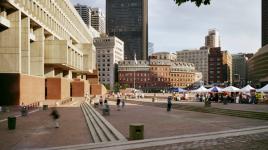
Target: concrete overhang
[4, 23]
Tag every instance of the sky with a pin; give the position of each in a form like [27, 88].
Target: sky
[173, 28]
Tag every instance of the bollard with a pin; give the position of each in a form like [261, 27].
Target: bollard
[136, 131]
[11, 123]
[45, 107]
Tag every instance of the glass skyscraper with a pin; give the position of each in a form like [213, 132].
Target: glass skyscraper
[128, 20]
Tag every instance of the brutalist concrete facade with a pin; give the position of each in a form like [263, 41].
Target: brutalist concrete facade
[44, 45]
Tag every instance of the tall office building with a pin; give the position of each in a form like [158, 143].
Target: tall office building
[239, 69]
[98, 20]
[212, 40]
[85, 13]
[128, 20]
[110, 50]
[264, 22]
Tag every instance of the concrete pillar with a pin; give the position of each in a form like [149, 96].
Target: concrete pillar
[25, 45]
[37, 53]
[10, 45]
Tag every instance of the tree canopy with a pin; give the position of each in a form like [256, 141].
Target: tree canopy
[197, 2]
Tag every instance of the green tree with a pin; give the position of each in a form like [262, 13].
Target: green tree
[116, 87]
[197, 2]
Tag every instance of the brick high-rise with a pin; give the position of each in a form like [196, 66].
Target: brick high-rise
[128, 20]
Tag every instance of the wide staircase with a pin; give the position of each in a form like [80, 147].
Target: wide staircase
[100, 129]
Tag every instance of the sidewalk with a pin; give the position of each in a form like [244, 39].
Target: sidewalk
[160, 123]
[37, 130]
[233, 106]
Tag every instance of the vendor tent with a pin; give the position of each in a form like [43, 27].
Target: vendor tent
[215, 89]
[202, 89]
[179, 90]
[264, 89]
[247, 89]
[231, 89]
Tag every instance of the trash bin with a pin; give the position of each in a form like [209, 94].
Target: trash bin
[11, 123]
[45, 107]
[136, 131]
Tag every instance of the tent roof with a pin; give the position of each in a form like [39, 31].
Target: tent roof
[247, 88]
[231, 89]
[215, 89]
[202, 89]
[264, 89]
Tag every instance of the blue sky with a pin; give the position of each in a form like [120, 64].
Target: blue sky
[173, 28]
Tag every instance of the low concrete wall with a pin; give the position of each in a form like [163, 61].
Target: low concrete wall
[57, 88]
[16, 89]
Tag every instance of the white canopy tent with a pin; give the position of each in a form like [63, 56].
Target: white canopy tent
[231, 89]
[264, 89]
[247, 89]
[202, 89]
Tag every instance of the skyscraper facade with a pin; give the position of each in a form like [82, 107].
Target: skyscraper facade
[85, 13]
[212, 40]
[264, 22]
[128, 20]
[98, 20]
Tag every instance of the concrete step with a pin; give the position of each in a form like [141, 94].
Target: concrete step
[92, 130]
[112, 133]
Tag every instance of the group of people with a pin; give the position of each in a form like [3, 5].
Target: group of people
[228, 98]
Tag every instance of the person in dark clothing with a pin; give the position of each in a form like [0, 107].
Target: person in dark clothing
[55, 116]
[169, 104]
[118, 103]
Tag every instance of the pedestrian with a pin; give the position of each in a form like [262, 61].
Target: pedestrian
[169, 103]
[123, 103]
[118, 103]
[55, 116]
[101, 100]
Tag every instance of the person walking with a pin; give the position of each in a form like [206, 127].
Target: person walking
[55, 116]
[169, 104]
[118, 103]
[101, 101]
[123, 103]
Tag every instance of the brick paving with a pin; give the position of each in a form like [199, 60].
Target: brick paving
[37, 130]
[160, 123]
[243, 142]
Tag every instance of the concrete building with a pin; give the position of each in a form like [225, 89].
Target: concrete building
[264, 22]
[258, 67]
[212, 40]
[199, 57]
[85, 13]
[162, 71]
[239, 65]
[219, 66]
[98, 20]
[227, 67]
[44, 45]
[128, 20]
[110, 50]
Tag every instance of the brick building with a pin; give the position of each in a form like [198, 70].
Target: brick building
[160, 72]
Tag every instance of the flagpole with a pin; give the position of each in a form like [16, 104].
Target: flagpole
[135, 62]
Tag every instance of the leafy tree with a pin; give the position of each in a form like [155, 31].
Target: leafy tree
[116, 87]
[197, 2]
